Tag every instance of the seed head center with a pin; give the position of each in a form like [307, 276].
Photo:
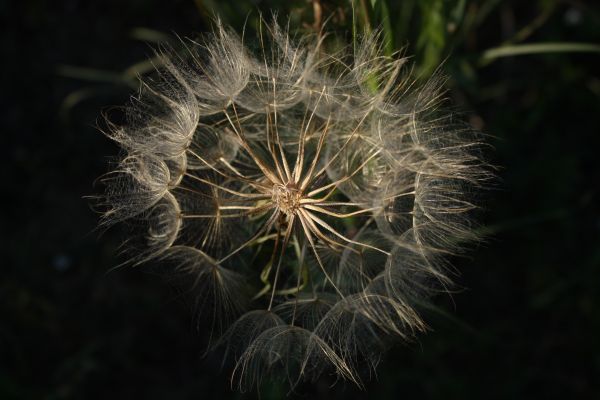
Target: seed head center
[287, 197]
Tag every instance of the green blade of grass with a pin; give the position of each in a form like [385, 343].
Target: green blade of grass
[382, 19]
[78, 96]
[142, 68]
[537, 48]
[403, 21]
[432, 36]
[149, 35]
[89, 74]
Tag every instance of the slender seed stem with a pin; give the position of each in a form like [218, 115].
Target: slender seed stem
[265, 228]
[284, 244]
[314, 249]
[324, 224]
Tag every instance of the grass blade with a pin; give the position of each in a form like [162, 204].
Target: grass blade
[538, 48]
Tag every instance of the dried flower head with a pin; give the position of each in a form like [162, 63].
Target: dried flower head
[307, 198]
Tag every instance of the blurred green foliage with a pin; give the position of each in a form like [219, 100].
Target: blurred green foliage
[434, 32]
[525, 326]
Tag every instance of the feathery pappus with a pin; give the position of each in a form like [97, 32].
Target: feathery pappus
[308, 200]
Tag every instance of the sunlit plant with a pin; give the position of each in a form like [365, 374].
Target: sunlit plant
[308, 198]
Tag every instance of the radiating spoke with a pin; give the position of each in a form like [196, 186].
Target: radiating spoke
[255, 196]
[345, 178]
[311, 178]
[332, 244]
[284, 161]
[301, 255]
[302, 143]
[284, 244]
[265, 228]
[325, 225]
[259, 163]
[234, 170]
[338, 215]
[232, 177]
[306, 181]
[314, 249]
[324, 203]
[271, 148]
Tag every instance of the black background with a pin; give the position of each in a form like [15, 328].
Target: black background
[527, 324]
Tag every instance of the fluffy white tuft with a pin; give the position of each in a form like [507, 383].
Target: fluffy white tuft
[307, 199]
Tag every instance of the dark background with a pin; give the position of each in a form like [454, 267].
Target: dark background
[526, 324]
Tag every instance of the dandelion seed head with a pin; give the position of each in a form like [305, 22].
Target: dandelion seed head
[306, 199]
